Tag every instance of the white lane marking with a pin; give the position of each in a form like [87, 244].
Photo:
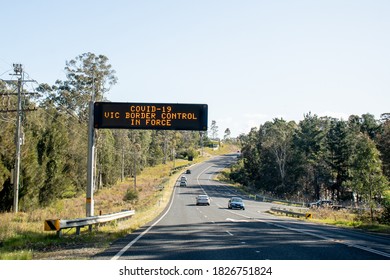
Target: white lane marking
[228, 232]
[197, 178]
[237, 221]
[367, 249]
[128, 246]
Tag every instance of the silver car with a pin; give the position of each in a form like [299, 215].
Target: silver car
[203, 200]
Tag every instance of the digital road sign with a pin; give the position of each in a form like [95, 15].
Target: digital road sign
[159, 116]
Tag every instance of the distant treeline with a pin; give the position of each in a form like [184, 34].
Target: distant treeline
[319, 157]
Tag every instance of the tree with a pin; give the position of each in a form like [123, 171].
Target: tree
[52, 148]
[251, 158]
[384, 146]
[310, 155]
[227, 134]
[340, 143]
[90, 73]
[214, 130]
[365, 175]
[89, 76]
[278, 139]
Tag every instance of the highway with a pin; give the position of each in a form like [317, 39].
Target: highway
[186, 231]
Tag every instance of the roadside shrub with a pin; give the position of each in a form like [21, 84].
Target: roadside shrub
[131, 195]
[385, 215]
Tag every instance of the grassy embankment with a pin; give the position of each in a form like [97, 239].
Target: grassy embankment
[22, 235]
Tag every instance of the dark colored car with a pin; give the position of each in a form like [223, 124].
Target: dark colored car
[188, 171]
[236, 203]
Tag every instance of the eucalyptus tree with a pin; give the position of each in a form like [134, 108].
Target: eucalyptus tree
[90, 74]
[88, 77]
[214, 130]
[227, 134]
[365, 173]
[277, 138]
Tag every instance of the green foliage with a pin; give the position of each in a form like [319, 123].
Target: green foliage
[54, 153]
[385, 217]
[131, 195]
[20, 255]
[317, 158]
[383, 143]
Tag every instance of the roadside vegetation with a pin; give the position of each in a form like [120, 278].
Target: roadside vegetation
[22, 235]
[349, 217]
[346, 161]
[53, 161]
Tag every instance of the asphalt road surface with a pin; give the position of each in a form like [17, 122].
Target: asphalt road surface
[186, 231]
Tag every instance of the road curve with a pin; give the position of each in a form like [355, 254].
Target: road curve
[186, 231]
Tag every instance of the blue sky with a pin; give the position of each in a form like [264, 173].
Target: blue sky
[250, 60]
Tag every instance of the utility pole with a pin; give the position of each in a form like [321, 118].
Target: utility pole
[18, 69]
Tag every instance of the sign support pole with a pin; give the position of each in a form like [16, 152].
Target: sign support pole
[91, 162]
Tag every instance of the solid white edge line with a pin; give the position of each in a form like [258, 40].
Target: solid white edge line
[124, 249]
[128, 246]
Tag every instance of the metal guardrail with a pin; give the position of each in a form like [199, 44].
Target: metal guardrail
[307, 215]
[58, 225]
[269, 199]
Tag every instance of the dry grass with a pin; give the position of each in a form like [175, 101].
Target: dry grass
[327, 215]
[22, 235]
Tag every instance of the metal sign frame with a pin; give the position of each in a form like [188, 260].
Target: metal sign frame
[153, 116]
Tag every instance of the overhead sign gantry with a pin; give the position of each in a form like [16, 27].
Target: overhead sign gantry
[154, 116]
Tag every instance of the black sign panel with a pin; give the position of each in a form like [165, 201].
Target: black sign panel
[159, 116]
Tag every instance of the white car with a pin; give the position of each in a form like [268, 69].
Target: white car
[183, 181]
[203, 200]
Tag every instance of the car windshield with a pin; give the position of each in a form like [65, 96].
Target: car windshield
[203, 196]
[236, 199]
